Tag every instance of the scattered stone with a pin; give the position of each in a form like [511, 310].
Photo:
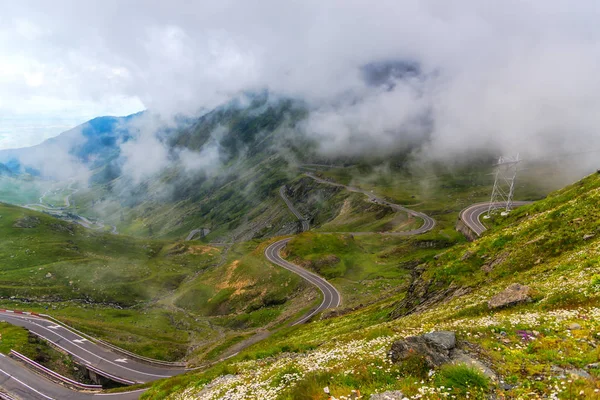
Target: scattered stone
[506, 386]
[61, 227]
[594, 365]
[355, 395]
[538, 261]
[574, 326]
[391, 395]
[48, 275]
[486, 268]
[27, 222]
[467, 255]
[499, 260]
[579, 373]
[588, 236]
[558, 372]
[512, 295]
[433, 348]
[460, 357]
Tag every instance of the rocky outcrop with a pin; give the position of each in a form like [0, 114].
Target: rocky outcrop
[27, 222]
[465, 230]
[434, 348]
[391, 395]
[437, 348]
[512, 295]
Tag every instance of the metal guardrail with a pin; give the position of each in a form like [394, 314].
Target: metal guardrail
[117, 349]
[110, 376]
[85, 364]
[55, 375]
[6, 396]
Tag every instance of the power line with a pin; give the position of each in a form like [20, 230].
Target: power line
[504, 184]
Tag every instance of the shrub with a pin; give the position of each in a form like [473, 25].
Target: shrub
[595, 283]
[462, 379]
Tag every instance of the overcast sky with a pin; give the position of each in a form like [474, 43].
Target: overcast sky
[520, 73]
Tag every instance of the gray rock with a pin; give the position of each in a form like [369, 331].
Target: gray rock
[594, 365]
[506, 386]
[487, 268]
[433, 347]
[574, 326]
[391, 395]
[579, 373]
[588, 236]
[27, 222]
[445, 339]
[512, 295]
[460, 357]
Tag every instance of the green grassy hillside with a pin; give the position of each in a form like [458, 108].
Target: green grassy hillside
[158, 298]
[546, 348]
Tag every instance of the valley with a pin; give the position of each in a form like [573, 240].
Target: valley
[369, 281]
[299, 201]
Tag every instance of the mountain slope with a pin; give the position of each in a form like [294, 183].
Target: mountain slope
[92, 144]
[167, 300]
[544, 348]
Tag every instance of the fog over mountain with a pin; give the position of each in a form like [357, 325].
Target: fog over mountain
[376, 77]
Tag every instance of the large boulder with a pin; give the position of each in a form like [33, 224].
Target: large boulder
[512, 295]
[434, 348]
[445, 339]
[391, 395]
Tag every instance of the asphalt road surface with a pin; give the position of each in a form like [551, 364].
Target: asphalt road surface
[428, 222]
[303, 221]
[90, 353]
[471, 215]
[331, 297]
[24, 384]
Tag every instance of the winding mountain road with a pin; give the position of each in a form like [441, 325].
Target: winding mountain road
[428, 222]
[471, 215]
[25, 384]
[298, 214]
[331, 297]
[114, 365]
[60, 211]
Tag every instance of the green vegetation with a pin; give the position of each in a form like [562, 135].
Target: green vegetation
[538, 348]
[463, 380]
[19, 339]
[20, 190]
[152, 294]
[155, 298]
[365, 268]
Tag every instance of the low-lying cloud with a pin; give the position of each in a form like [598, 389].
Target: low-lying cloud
[515, 76]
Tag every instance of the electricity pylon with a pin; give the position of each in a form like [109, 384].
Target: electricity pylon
[504, 184]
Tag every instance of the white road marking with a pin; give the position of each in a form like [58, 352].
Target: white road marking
[80, 340]
[54, 326]
[121, 360]
[87, 351]
[26, 385]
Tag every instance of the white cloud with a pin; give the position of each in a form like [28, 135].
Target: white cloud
[515, 74]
